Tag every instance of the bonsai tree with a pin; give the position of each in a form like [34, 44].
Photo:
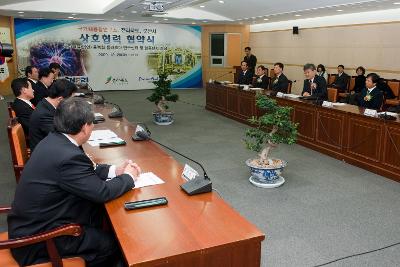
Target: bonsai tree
[162, 93]
[271, 129]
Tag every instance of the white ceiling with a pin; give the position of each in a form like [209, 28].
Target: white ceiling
[192, 11]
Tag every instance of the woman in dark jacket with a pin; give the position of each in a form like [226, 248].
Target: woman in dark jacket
[359, 81]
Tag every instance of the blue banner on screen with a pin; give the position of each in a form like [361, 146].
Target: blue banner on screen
[112, 55]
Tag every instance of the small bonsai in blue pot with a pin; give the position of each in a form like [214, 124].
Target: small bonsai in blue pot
[160, 96]
[271, 129]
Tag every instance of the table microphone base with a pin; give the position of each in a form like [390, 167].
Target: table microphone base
[196, 186]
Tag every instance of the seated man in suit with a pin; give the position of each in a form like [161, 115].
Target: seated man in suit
[32, 73]
[61, 185]
[56, 69]
[250, 59]
[341, 80]
[314, 85]
[279, 83]
[262, 79]
[371, 97]
[22, 106]
[41, 122]
[245, 76]
[46, 77]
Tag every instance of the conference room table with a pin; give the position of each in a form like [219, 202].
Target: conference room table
[200, 230]
[341, 131]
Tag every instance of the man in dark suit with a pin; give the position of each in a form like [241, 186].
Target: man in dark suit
[32, 73]
[41, 122]
[341, 80]
[245, 76]
[279, 83]
[262, 79]
[46, 77]
[371, 97]
[314, 85]
[22, 106]
[56, 69]
[61, 185]
[250, 59]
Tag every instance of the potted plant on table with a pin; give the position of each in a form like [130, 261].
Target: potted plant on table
[160, 96]
[271, 129]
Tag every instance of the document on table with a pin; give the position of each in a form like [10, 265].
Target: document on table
[103, 136]
[292, 95]
[148, 179]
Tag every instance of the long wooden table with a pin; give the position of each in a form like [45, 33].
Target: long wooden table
[342, 132]
[201, 230]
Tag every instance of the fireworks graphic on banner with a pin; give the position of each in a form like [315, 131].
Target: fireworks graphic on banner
[70, 59]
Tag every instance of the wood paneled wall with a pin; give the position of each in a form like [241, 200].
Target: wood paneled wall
[5, 87]
[373, 46]
[212, 72]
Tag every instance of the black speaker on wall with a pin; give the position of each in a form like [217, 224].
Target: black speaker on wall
[295, 30]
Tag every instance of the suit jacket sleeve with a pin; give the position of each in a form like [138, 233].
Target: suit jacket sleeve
[265, 82]
[46, 124]
[23, 112]
[283, 84]
[78, 177]
[102, 171]
[306, 87]
[377, 99]
[321, 91]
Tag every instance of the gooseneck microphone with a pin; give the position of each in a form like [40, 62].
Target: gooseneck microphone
[220, 76]
[195, 186]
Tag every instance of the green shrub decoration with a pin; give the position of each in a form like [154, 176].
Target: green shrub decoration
[162, 93]
[273, 128]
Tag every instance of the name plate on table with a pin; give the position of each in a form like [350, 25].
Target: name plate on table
[370, 112]
[189, 173]
[327, 104]
[280, 94]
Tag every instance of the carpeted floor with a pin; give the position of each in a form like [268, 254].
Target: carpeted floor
[327, 209]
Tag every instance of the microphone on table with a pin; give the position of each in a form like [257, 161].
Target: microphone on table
[141, 127]
[116, 111]
[97, 99]
[195, 186]
[220, 76]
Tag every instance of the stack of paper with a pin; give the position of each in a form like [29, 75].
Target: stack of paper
[148, 179]
[292, 95]
[103, 136]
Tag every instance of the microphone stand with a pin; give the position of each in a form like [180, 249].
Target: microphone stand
[195, 186]
[201, 166]
[220, 76]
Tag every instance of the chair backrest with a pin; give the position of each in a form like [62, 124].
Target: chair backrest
[352, 83]
[332, 94]
[266, 72]
[395, 86]
[271, 73]
[289, 88]
[331, 78]
[11, 112]
[19, 151]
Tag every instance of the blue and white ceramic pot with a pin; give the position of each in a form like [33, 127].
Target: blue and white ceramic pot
[165, 118]
[269, 176]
